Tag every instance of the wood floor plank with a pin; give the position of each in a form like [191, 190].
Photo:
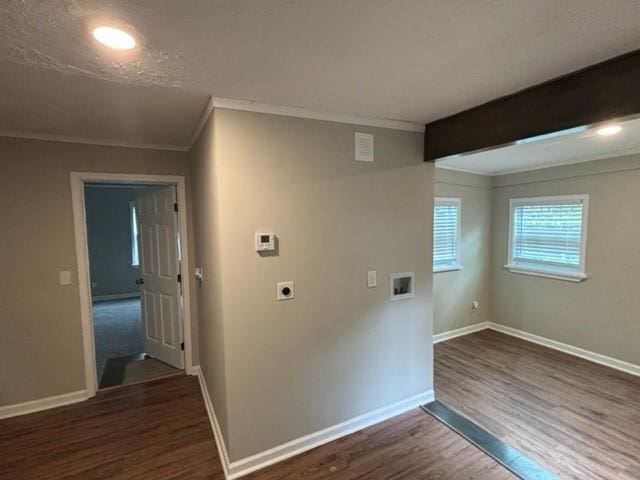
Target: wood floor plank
[411, 446]
[160, 430]
[155, 430]
[579, 419]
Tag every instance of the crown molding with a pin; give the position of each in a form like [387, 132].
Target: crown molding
[465, 170]
[206, 113]
[230, 104]
[90, 141]
[574, 161]
[635, 149]
[257, 107]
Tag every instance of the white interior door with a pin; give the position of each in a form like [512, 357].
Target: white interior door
[160, 289]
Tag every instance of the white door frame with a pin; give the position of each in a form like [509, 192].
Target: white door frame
[78, 180]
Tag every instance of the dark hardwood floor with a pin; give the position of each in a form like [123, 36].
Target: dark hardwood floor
[410, 446]
[578, 419]
[149, 431]
[160, 430]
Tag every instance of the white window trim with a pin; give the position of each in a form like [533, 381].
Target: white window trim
[449, 268]
[457, 266]
[550, 272]
[134, 244]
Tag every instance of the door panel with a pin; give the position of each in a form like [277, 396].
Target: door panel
[147, 247]
[166, 251]
[159, 269]
[148, 314]
[168, 316]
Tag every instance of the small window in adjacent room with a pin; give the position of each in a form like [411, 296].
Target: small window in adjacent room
[548, 236]
[135, 260]
[446, 234]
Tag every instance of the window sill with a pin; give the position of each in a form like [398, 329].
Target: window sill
[450, 268]
[547, 273]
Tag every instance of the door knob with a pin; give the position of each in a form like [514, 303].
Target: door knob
[140, 281]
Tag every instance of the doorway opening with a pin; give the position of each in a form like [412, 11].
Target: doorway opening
[134, 301]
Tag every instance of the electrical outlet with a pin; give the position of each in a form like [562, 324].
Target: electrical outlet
[475, 305]
[285, 291]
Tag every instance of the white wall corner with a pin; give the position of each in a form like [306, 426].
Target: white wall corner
[204, 118]
[213, 420]
[610, 362]
[459, 332]
[239, 468]
[43, 404]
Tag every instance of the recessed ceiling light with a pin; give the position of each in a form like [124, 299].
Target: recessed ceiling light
[609, 130]
[114, 38]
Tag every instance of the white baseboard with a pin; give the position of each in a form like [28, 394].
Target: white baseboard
[476, 327]
[213, 420]
[43, 404]
[115, 296]
[611, 362]
[302, 444]
[277, 454]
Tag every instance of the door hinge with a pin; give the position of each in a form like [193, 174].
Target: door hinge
[179, 278]
[175, 207]
[182, 346]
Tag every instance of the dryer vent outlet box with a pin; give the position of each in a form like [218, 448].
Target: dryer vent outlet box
[402, 286]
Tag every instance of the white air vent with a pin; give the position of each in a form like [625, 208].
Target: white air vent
[364, 147]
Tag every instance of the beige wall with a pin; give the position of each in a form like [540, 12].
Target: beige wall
[40, 329]
[454, 291]
[601, 313]
[339, 349]
[109, 238]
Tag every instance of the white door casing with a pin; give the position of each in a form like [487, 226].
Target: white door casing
[78, 180]
[160, 291]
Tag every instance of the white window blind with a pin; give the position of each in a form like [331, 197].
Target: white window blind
[446, 234]
[548, 234]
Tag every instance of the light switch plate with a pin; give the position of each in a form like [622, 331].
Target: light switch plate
[285, 291]
[199, 273]
[372, 279]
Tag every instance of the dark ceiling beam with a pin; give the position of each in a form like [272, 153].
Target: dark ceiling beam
[595, 94]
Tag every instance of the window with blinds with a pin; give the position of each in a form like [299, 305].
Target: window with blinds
[446, 234]
[548, 235]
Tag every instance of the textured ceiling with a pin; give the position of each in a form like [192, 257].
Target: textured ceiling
[34, 100]
[414, 60]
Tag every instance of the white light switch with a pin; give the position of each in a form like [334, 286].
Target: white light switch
[372, 279]
[64, 277]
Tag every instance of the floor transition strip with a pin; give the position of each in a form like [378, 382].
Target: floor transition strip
[511, 458]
